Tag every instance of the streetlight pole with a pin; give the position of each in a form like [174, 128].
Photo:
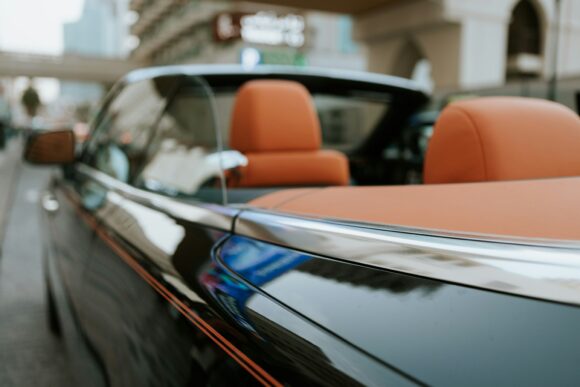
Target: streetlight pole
[553, 83]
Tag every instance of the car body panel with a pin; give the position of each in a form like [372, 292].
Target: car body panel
[547, 270]
[86, 364]
[134, 284]
[417, 325]
[171, 291]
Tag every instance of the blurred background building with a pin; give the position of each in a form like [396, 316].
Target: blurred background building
[451, 47]
[480, 46]
[208, 31]
[101, 31]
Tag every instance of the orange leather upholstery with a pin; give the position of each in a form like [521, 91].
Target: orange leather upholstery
[276, 126]
[545, 208]
[323, 167]
[503, 138]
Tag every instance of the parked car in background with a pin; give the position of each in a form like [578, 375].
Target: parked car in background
[231, 227]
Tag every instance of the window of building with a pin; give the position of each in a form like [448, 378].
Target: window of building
[524, 30]
[524, 41]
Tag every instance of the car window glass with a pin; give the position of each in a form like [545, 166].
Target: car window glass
[124, 131]
[347, 121]
[183, 157]
[404, 156]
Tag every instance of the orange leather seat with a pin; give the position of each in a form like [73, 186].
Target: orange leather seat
[503, 138]
[276, 126]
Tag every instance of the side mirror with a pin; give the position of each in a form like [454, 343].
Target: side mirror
[54, 147]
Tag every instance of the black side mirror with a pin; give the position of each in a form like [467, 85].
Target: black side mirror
[50, 148]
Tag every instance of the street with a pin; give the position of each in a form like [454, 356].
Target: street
[29, 354]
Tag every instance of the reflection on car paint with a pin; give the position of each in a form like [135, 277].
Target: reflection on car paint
[256, 262]
[323, 358]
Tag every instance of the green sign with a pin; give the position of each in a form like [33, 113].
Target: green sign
[283, 58]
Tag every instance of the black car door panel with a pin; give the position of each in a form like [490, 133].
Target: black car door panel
[148, 319]
[434, 332]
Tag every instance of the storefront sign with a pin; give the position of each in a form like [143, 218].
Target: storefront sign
[262, 28]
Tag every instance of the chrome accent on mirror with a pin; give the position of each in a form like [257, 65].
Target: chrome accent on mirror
[211, 215]
[549, 272]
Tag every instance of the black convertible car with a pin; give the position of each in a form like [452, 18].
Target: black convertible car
[231, 227]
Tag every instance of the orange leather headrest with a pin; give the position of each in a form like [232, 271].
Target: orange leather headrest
[274, 116]
[503, 138]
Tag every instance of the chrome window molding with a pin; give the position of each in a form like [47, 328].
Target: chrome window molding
[232, 69]
[212, 215]
[531, 268]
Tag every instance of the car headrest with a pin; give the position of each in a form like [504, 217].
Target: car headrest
[274, 116]
[503, 138]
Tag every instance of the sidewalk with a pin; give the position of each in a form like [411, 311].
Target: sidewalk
[29, 354]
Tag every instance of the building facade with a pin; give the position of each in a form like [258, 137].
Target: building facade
[482, 46]
[206, 31]
[101, 31]
[475, 43]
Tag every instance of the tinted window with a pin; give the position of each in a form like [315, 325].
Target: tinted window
[123, 132]
[345, 120]
[181, 158]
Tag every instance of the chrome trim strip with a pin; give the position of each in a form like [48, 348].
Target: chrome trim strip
[472, 236]
[233, 69]
[548, 272]
[211, 215]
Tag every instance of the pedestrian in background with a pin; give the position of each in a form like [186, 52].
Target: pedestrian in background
[31, 102]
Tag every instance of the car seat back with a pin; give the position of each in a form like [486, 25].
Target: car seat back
[276, 127]
[503, 138]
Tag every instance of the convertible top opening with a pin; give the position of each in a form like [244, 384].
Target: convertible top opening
[478, 173]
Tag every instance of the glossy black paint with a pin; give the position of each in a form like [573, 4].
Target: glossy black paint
[152, 296]
[301, 318]
[124, 309]
[298, 317]
[439, 333]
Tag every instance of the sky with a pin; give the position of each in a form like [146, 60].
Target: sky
[35, 25]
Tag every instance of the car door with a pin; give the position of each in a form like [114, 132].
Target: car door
[159, 219]
[161, 308]
[73, 205]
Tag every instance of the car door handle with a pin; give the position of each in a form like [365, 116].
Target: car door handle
[49, 203]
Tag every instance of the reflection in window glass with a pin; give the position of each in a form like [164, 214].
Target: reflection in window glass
[345, 120]
[123, 133]
[182, 158]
